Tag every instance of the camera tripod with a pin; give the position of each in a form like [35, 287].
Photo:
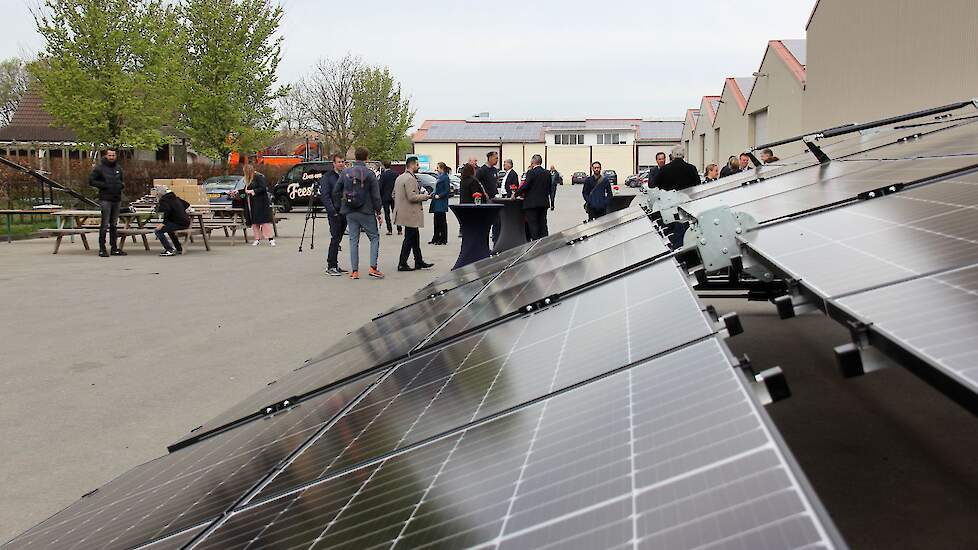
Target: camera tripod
[311, 214]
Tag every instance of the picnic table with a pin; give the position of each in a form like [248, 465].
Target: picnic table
[11, 213]
[132, 224]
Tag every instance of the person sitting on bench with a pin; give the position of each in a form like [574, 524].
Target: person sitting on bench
[175, 218]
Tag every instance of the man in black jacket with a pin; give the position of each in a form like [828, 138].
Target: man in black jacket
[387, 179]
[678, 174]
[175, 218]
[107, 178]
[535, 192]
[590, 183]
[660, 161]
[337, 221]
[511, 181]
[487, 176]
[555, 180]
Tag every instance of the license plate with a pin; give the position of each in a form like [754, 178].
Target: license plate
[214, 195]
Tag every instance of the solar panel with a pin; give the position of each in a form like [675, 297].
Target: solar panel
[639, 315]
[175, 542]
[923, 230]
[188, 487]
[352, 356]
[957, 140]
[547, 276]
[673, 453]
[848, 187]
[634, 222]
[936, 317]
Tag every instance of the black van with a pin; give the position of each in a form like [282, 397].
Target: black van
[297, 186]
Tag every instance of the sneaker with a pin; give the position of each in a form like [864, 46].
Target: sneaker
[168, 253]
[354, 274]
[119, 253]
[255, 242]
[424, 265]
[389, 233]
[333, 272]
[405, 268]
[375, 273]
[271, 242]
[103, 254]
[340, 269]
[178, 252]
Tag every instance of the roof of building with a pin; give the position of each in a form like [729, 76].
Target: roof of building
[792, 53]
[742, 87]
[711, 103]
[797, 49]
[533, 131]
[31, 122]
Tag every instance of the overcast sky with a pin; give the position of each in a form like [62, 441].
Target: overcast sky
[520, 59]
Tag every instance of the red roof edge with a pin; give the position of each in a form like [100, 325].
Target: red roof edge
[738, 93]
[793, 64]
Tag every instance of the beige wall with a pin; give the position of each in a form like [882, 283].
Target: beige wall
[620, 158]
[733, 127]
[514, 152]
[782, 94]
[647, 152]
[533, 149]
[568, 158]
[438, 152]
[877, 58]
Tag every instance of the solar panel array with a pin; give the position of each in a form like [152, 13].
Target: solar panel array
[611, 415]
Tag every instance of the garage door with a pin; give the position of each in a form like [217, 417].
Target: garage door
[477, 151]
[568, 159]
[647, 153]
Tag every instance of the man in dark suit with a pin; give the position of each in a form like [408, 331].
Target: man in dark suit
[511, 180]
[387, 179]
[535, 192]
[660, 161]
[487, 176]
[678, 174]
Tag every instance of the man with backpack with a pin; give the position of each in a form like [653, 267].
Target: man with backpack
[337, 222]
[358, 194]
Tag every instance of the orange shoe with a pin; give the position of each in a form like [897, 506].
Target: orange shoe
[354, 274]
[375, 273]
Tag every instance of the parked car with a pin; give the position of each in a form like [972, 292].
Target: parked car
[427, 181]
[218, 187]
[455, 181]
[578, 178]
[611, 176]
[637, 180]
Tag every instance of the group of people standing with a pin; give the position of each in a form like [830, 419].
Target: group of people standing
[357, 201]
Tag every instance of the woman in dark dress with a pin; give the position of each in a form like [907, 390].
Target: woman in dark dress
[258, 210]
[439, 205]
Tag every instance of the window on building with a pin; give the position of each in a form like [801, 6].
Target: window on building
[600, 139]
[569, 139]
[609, 139]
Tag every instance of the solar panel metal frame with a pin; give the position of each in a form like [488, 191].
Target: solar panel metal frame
[864, 331]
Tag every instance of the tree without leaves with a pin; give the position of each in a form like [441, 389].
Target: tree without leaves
[292, 111]
[108, 69]
[14, 80]
[381, 116]
[232, 56]
[328, 97]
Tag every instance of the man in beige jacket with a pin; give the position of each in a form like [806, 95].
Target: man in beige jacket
[409, 213]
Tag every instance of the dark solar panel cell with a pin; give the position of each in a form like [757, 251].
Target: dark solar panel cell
[189, 486]
[957, 140]
[177, 541]
[510, 364]
[672, 453]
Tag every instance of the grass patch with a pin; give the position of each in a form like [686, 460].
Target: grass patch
[21, 228]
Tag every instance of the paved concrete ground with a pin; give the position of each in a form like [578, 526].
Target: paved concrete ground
[105, 361]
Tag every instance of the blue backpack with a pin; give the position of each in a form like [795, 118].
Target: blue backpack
[354, 189]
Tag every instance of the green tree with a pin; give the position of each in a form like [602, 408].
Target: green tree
[232, 55]
[381, 115]
[13, 85]
[109, 69]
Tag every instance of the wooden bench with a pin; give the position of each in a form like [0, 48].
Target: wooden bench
[65, 232]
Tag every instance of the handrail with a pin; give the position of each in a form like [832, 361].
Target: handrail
[46, 180]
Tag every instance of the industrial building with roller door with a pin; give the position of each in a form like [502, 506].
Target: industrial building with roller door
[623, 145]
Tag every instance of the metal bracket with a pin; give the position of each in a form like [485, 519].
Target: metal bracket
[876, 193]
[437, 294]
[540, 304]
[731, 322]
[715, 234]
[665, 203]
[855, 360]
[769, 385]
[815, 149]
[276, 407]
[582, 238]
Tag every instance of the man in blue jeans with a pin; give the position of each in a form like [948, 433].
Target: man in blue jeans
[358, 194]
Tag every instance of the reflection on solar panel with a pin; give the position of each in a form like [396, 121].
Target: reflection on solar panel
[190, 486]
[893, 238]
[672, 453]
[510, 364]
